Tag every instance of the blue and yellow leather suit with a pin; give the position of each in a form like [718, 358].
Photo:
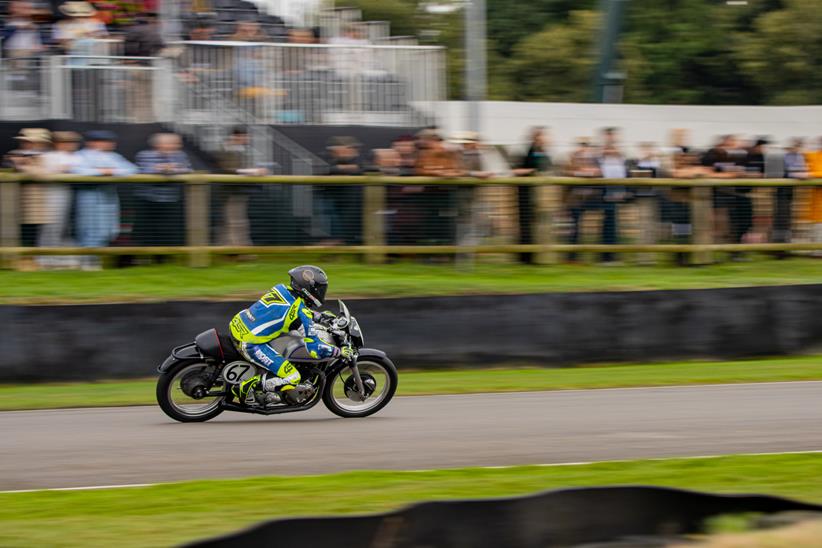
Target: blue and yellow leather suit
[275, 314]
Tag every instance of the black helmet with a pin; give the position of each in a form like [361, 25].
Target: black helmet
[310, 283]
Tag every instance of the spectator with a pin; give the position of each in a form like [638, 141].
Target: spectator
[405, 203]
[649, 161]
[235, 157]
[26, 158]
[535, 161]
[339, 206]
[143, 38]
[583, 160]
[97, 212]
[158, 208]
[248, 31]
[406, 149]
[203, 29]
[435, 159]
[62, 160]
[814, 163]
[469, 213]
[795, 168]
[387, 161]
[721, 164]
[20, 35]
[196, 62]
[76, 35]
[610, 165]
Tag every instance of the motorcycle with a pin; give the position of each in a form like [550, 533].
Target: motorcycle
[196, 379]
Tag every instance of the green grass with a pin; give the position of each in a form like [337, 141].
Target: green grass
[43, 396]
[173, 513]
[248, 280]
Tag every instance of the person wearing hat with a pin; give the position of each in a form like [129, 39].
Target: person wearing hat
[77, 34]
[31, 144]
[97, 221]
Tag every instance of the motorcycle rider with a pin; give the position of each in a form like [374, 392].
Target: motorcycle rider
[284, 308]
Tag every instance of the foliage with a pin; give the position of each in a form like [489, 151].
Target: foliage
[556, 64]
[673, 51]
[783, 53]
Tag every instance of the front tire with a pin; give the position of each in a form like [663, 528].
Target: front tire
[381, 371]
[179, 406]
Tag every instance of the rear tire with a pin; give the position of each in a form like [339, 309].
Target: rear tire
[165, 386]
[333, 404]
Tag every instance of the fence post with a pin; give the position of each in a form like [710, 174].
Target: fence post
[548, 202]
[197, 217]
[648, 210]
[9, 219]
[373, 221]
[702, 223]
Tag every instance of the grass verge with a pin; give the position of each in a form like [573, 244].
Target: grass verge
[173, 513]
[249, 280]
[415, 383]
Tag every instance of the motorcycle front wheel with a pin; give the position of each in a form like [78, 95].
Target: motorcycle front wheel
[172, 388]
[380, 380]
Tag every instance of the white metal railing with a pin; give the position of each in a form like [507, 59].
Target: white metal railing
[313, 84]
[231, 82]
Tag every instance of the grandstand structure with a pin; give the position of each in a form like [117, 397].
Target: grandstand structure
[352, 72]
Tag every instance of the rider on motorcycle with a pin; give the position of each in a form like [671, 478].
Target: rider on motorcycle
[284, 308]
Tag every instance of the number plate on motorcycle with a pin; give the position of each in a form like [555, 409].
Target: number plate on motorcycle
[237, 372]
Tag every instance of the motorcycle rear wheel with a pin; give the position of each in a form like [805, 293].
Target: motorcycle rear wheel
[179, 406]
[336, 397]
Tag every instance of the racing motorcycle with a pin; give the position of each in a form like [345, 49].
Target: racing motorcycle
[196, 379]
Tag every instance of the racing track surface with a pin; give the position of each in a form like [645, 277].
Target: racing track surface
[87, 447]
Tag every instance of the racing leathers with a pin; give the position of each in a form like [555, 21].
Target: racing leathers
[275, 314]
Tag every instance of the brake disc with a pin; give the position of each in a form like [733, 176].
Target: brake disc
[369, 384]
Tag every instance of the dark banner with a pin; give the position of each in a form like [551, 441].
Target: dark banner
[629, 516]
[130, 340]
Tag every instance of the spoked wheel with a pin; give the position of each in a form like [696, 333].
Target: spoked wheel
[379, 379]
[182, 393]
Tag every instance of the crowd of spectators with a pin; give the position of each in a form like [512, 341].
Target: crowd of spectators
[153, 214]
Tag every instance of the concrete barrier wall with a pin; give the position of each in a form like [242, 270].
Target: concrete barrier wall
[553, 329]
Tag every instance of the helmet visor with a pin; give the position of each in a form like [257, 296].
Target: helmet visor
[319, 290]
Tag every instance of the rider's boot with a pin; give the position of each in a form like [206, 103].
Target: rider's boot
[244, 392]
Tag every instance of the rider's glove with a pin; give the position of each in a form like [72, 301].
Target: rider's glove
[347, 353]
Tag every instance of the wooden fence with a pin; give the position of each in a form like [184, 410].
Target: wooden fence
[546, 244]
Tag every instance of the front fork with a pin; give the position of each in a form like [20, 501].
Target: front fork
[355, 372]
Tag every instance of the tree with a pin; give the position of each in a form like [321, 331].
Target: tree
[556, 64]
[680, 52]
[783, 53]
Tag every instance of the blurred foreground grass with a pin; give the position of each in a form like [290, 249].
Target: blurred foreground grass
[169, 514]
[352, 279]
[414, 383]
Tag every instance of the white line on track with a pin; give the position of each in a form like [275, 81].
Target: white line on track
[545, 465]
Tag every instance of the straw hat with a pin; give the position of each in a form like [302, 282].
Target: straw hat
[77, 8]
[34, 135]
[464, 137]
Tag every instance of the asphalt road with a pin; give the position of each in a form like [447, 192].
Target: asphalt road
[90, 447]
